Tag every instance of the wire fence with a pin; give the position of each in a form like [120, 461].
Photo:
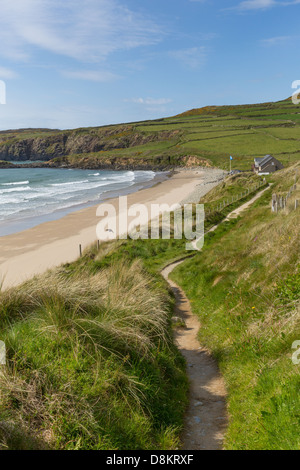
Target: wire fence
[280, 202]
[233, 199]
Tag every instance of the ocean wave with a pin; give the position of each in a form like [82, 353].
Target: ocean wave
[47, 194]
[15, 190]
[15, 183]
[69, 183]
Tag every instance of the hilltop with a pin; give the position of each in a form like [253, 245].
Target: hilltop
[204, 136]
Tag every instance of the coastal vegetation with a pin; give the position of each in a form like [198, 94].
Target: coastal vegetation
[91, 362]
[245, 288]
[205, 136]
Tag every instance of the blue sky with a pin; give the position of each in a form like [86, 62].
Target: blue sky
[94, 62]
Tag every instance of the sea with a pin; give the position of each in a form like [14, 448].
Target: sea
[30, 196]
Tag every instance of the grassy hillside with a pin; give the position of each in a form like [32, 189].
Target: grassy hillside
[244, 132]
[211, 134]
[245, 288]
[91, 363]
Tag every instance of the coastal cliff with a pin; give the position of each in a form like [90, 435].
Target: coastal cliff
[123, 147]
[98, 162]
[206, 136]
[44, 145]
[4, 164]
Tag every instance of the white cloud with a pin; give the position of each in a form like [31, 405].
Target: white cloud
[86, 30]
[6, 74]
[264, 4]
[256, 4]
[153, 106]
[279, 40]
[150, 101]
[192, 57]
[90, 75]
[18, 115]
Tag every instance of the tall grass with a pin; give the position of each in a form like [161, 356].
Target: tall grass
[245, 287]
[90, 362]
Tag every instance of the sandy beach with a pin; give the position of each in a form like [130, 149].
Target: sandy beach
[33, 251]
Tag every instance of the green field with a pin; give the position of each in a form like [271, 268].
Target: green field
[212, 133]
[244, 132]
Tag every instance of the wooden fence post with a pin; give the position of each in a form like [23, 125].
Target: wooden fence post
[274, 202]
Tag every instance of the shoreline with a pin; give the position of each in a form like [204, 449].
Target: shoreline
[13, 227]
[34, 251]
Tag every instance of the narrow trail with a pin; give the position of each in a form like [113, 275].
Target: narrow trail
[206, 418]
[243, 207]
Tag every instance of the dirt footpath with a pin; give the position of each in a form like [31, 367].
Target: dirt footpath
[206, 417]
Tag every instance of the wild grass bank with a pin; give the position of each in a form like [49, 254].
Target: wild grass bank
[245, 288]
[90, 362]
[90, 358]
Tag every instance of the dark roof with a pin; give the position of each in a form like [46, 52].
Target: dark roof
[263, 160]
[266, 159]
